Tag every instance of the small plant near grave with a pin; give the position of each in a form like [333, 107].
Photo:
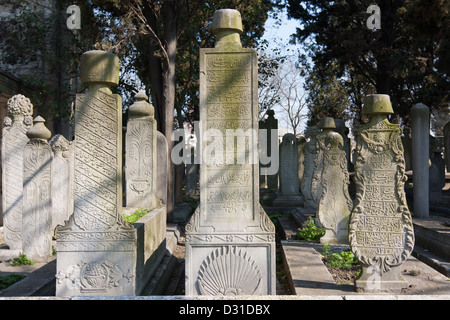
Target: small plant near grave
[274, 218]
[310, 232]
[8, 280]
[21, 260]
[136, 215]
[343, 265]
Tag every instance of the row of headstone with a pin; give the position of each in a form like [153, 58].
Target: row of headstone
[36, 181]
[74, 189]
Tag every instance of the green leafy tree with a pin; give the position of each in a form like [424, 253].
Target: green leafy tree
[407, 58]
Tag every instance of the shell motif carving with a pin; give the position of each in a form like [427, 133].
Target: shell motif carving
[229, 271]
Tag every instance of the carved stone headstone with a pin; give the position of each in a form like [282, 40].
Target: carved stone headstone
[37, 194]
[96, 248]
[163, 167]
[301, 142]
[310, 154]
[269, 129]
[230, 241]
[62, 180]
[327, 125]
[16, 124]
[380, 230]
[446, 133]
[289, 195]
[140, 156]
[420, 139]
[335, 203]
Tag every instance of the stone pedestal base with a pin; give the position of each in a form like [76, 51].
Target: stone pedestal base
[288, 201]
[370, 280]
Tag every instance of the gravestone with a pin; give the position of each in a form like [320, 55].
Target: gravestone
[289, 195]
[327, 126]
[140, 155]
[230, 241]
[96, 248]
[310, 152]
[268, 130]
[62, 180]
[162, 160]
[37, 194]
[342, 129]
[446, 133]
[335, 203]
[380, 230]
[301, 142]
[16, 124]
[191, 176]
[420, 137]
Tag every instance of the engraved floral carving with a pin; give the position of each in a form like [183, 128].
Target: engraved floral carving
[229, 271]
[380, 229]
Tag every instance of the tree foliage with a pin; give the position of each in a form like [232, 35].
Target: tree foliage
[407, 58]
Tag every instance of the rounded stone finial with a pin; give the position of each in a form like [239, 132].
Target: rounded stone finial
[226, 20]
[141, 108]
[99, 67]
[327, 123]
[39, 130]
[377, 104]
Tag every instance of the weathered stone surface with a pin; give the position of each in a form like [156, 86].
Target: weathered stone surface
[289, 185]
[37, 194]
[163, 167]
[310, 152]
[229, 231]
[96, 247]
[62, 180]
[446, 133]
[335, 203]
[16, 124]
[327, 125]
[380, 230]
[420, 132]
[140, 155]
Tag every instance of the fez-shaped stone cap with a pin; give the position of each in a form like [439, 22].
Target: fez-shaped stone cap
[39, 130]
[377, 104]
[226, 20]
[141, 108]
[327, 123]
[99, 67]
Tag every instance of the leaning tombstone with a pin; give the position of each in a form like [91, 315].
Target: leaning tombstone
[380, 230]
[230, 241]
[327, 126]
[335, 203]
[37, 194]
[420, 139]
[310, 152]
[446, 133]
[62, 195]
[96, 248]
[289, 195]
[140, 155]
[16, 124]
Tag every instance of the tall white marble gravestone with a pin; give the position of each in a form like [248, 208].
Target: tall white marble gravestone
[230, 241]
[96, 248]
[140, 156]
[37, 194]
[335, 203]
[327, 126]
[310, 153]
[62, 180]
[380, 230]
[17, 122]
[289, 195]
[420, 138]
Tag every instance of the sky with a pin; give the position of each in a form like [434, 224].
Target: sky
[278, 35]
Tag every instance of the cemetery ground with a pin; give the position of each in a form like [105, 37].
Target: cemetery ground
[302, 272]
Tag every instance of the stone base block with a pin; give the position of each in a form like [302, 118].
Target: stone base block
[229, 269]
[96, 274]
[371, 280]
[288, 201]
